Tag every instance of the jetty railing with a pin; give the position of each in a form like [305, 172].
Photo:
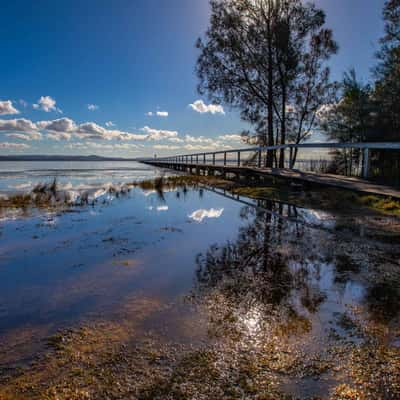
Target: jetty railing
[257, 158]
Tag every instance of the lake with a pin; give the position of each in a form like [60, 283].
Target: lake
[191, 291]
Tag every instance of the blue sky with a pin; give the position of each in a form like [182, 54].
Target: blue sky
[127, 59]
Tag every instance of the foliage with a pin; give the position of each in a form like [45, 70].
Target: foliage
[371, 112]
[267, 59]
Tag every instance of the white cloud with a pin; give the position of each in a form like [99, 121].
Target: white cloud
[25, 136]
[90, 130]
[58, 136]
[198, 139]
[17, 146]
[110, 124]
[162, 113]
[17, 125]
[201, 214]
[176, 140]
[92, 107]
[166, 147]
[202, 108]
[6, 108]
[155, 134]
[157, 114]
[47, 104]
[58, 125]
[66, 128]
[326, 111]
[231, 138]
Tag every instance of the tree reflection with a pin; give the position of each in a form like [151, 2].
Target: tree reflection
[264, 279]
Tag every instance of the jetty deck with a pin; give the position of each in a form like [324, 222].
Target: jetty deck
[233, 162]
[292, 175]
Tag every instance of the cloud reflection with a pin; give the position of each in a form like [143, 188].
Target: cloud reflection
[200, 215]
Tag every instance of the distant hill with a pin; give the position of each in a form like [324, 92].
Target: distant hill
[62, 158]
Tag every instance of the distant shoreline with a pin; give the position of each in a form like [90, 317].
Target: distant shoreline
[63, 158]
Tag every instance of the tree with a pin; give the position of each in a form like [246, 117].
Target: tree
[260, 56]
[387, 73]
[351, 119]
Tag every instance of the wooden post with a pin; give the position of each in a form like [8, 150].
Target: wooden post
[213, 158]
[197, 158]
[238, 159]
[225, 159]
[204, 158]
[259, 158]
[366, 164]
[191, 159]
[291, 158]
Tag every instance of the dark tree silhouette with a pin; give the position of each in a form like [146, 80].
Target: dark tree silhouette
[264, 57]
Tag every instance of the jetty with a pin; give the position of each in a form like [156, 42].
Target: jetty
[249, 163]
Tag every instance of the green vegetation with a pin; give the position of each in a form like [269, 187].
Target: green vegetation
[324, 199]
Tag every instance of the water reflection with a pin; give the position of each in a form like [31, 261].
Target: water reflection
[200, 215]
[293, 298]
[282, 304]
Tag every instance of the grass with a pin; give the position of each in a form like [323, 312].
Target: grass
[324, 198]
[49, 195]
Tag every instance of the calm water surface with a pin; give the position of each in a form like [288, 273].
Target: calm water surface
[21, 176]
[268, 274]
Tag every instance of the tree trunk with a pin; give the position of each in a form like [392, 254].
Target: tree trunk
[283, 128]
[270, 154]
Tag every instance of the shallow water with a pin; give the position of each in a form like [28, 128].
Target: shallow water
[22, 176]
[200, 267]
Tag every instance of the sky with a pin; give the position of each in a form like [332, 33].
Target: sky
[116, 78]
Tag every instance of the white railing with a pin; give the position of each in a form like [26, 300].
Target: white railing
[258, 158]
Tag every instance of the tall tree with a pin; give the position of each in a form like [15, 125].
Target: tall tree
[387, 86]
[260, 56]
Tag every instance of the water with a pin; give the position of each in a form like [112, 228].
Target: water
[283, 295]
[22, 176]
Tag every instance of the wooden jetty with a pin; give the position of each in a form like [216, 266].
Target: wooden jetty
[222, 163]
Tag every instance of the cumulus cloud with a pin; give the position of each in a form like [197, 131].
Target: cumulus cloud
[202, 108]
[47, 104]
[92, 107]
[90, 130]
[16, 146]
[231, 138]
[7, 108]
[200, 215]
[66, 128]
[25, 136]
[155, 134]
[176, 140]
[17, 125]
[58, 136]
[198, 139]
[58, 125]
[109, 124]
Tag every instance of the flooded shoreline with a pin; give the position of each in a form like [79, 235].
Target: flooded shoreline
[194, 290]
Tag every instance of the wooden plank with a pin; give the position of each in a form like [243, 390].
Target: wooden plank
[343, 182]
